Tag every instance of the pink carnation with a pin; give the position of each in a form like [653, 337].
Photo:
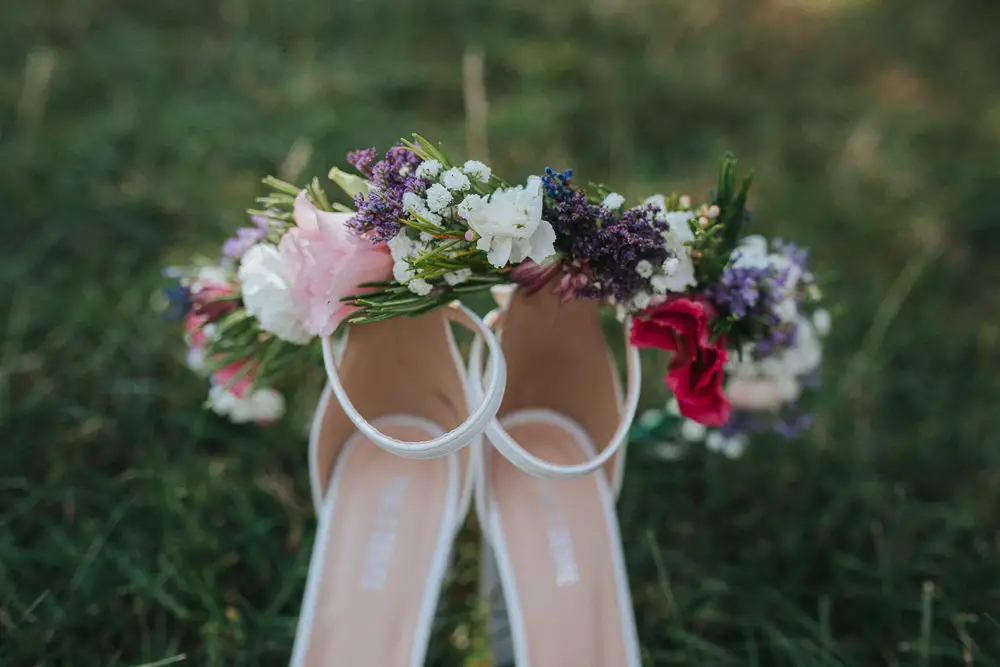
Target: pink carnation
[325, 262]
[194, 328]
[226, 374]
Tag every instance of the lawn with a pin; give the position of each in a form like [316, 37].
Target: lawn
[138, 529]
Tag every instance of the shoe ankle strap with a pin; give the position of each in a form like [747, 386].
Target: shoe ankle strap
[486, 402]
[527, 461]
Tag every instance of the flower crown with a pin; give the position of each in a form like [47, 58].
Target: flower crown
[738, 313]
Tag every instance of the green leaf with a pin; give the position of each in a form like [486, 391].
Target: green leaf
[427, 150]
[281, 186]
[732, 204]
[351, 184]
[318, 196]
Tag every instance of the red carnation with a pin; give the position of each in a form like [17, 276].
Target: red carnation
[696, 374]
[698, 388]
[679, 326]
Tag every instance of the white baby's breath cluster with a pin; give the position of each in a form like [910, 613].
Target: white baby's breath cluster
[730, 446]
[408, 246]
[447, 191]
[259, 405]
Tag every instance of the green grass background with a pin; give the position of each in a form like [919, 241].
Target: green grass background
[137, 529]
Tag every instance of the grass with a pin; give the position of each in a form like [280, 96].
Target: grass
[135, 529]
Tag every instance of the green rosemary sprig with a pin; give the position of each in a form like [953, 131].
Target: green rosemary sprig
[732, 203]
[715, 244]
[238, 339]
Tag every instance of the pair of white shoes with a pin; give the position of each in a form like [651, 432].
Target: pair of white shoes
[391, 493]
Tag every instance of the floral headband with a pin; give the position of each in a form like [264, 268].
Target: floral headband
[739, 314]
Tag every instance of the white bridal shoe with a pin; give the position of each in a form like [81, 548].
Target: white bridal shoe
[550, 523]
[390, 488]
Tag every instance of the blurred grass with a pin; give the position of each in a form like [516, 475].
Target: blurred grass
[137, 529]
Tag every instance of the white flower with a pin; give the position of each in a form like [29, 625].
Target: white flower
[678, 271]
[509, 224]
[458, 277]
[426, 237]
[415, 204]
[477, 170]
[455, 180]
[469, 204]
[673, 407]
[428, 169]
[613, 201]
[640, 301]
[789, 388]
[438, 197]
[660, 202]
[731, 447]
[751, 253]
[644, 268]
[420, 287]
[259, 405]
[693, 431]
[267, 293]
[195, 359]
[210, 274]
[799, 359]
[821, 320]
[786, 309]
[412, 202]
[401, 248]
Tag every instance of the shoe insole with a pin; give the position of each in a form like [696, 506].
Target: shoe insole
[561, 541]
[379, 558]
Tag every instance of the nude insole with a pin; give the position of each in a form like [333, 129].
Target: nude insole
[559, 541]
[378, 555]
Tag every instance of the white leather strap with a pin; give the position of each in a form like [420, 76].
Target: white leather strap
[527, 461]
[488, 400]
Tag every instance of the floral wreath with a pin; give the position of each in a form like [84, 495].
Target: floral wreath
[739, 314]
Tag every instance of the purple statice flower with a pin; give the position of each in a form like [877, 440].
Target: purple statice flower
[744, 422]
[246, 237]
[361, 159]
[379, 212]
[797, 254]
[756, 292]
[620, 244]
[603, 246]
[774, 339]
[792, 422]
[789, 423]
